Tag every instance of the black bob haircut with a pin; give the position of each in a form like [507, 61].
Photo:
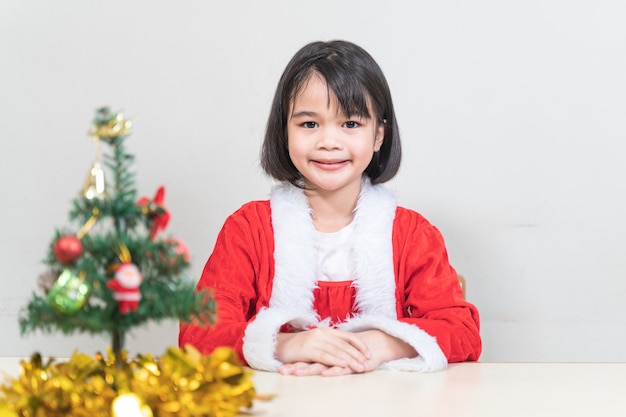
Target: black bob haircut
[356, 80]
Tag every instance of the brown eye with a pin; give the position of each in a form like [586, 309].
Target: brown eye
[351, 124]
[309, 125]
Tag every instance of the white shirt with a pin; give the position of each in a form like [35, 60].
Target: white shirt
[335, 257]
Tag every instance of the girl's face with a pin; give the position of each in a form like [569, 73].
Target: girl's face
[329, 148]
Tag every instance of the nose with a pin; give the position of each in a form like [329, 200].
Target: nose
[328, 138]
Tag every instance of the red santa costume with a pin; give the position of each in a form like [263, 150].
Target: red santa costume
[264, 279]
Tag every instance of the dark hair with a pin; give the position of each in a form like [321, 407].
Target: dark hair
[356, 80]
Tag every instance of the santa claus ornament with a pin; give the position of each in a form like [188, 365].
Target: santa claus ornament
[125, 286]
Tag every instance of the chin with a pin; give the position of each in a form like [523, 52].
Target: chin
[329, 187]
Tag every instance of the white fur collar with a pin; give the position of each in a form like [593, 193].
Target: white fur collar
[295, 252]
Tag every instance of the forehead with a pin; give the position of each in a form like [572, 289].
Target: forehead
[316, 91]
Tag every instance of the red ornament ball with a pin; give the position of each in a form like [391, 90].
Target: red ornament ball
[67, 249]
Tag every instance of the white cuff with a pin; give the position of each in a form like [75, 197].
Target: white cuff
[259, 341]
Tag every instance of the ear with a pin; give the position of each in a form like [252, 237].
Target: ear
[379, 135]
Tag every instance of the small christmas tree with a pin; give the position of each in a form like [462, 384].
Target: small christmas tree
[114, 273]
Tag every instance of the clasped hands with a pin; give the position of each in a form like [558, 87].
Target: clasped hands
[331, 352]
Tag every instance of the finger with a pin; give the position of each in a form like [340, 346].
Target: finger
[292, 368]
[347, 342]
[336, 371]
[339, 358]
[286, 369]
[345, 349]
[328, 346]
[357, 343]
[310, 369]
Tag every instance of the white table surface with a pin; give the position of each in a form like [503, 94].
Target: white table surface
[465, 389]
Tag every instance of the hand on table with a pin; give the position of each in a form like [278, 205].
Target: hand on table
[332, 352]
[324, 346]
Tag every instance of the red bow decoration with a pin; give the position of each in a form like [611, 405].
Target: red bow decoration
[155, 211]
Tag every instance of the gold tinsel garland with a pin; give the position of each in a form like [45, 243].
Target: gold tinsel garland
[182, 383]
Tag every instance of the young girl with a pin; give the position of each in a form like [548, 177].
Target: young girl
[330, 276]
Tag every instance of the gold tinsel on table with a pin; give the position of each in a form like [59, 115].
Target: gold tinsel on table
[182, 383]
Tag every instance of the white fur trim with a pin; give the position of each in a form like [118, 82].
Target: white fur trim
[430, 357]
[259, 342]
[374, 275]
[295, 241]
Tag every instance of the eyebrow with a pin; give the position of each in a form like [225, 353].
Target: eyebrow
[304, 113]
[308, 113]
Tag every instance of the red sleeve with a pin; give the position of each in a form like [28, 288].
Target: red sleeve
[242, 254]
[432, 298]
[114, 285]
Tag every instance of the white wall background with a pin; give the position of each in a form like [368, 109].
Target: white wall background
[512, 114]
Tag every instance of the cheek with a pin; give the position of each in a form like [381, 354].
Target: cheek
[295, 148]
[293, 154]
[290, 149]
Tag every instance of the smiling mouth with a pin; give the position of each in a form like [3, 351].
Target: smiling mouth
[329, 164]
